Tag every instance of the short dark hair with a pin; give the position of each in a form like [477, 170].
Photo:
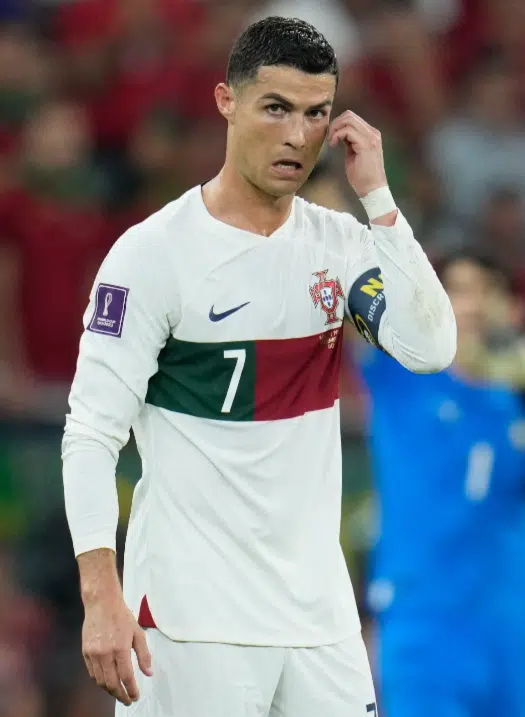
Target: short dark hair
[478, 257]
[280, 41]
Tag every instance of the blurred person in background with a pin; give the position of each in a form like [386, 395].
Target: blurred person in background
[324, 188]
[398, 39]
[26, 76]
[49, 575]
[205, 54]
[483, 144]
[440, 232]
[500, 231]
[123, 58]
[448, 453]
[56, 231]
[167, 155]
[154, 168]
[24, 635]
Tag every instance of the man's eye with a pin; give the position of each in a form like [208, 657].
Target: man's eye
[275, 109]
[317, 114]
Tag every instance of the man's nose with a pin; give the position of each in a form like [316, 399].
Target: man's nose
[296, 136]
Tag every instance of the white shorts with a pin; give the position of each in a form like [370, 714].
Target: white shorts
[195, 679]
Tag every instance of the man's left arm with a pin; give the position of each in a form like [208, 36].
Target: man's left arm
[395, 299]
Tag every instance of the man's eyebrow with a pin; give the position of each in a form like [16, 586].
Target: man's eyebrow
[277, 98]
[283, 101]
[321, 105]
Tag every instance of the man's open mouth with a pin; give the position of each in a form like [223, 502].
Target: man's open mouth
[288, 164]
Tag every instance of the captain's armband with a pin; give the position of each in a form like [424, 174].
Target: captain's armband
[366, 305]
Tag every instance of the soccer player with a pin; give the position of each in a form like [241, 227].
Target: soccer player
[214, 329]
[448, 582]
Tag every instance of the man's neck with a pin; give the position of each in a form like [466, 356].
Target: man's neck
[233, 200]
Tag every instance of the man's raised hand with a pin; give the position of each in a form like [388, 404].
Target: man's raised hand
[364, 163]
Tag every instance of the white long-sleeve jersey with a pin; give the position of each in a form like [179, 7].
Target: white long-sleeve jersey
[222, 350]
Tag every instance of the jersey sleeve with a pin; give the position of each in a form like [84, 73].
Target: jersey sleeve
[131, 311]
[394, 297]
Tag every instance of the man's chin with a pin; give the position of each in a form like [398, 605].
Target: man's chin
[282, 188]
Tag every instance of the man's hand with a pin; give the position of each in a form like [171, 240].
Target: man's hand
[109, 634]
[110, 630]
[364, 164]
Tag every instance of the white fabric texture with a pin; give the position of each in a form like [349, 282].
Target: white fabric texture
[194, 679]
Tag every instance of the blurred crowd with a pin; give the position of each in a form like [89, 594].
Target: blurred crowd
[107, 113]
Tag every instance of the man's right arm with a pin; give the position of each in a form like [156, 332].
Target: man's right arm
[130, 315]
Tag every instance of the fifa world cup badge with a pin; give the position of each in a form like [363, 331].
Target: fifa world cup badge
[327, 292]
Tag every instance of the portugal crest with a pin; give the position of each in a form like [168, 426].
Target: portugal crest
[327, 292]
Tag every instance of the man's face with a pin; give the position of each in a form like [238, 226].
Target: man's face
[470, 288]
[277, 127]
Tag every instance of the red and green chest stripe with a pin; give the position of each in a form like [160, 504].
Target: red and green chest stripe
[265, 380]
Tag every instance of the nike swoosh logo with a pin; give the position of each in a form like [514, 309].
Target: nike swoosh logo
[225, 314]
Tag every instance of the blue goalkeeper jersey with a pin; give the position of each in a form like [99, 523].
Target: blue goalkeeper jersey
[449, 462]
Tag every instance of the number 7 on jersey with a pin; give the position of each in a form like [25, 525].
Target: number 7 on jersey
[240, 356]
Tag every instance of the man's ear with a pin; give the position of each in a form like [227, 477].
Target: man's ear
[226, 101]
